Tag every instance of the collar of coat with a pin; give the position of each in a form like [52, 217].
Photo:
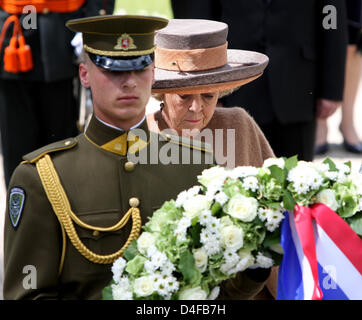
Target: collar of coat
[117, 141]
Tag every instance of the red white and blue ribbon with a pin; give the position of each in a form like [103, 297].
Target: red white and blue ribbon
[322, 256]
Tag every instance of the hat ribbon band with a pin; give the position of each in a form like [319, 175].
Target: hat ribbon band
[191, 60]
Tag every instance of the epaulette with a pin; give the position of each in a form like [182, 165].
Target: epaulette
[34, 156]
[187, 142]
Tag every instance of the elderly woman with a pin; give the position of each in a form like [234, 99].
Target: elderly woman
[193, 69]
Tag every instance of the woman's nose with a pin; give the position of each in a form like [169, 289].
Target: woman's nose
[196, 105]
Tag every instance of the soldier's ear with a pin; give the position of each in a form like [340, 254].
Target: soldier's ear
[84, 75]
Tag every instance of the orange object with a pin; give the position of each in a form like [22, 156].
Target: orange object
[16, 59]
[11, 60]
[25, 56]
[16, 6]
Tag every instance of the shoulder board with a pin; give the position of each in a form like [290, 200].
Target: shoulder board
[53, 147]
[187, 142]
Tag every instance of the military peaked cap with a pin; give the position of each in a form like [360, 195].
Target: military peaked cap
[119, 43]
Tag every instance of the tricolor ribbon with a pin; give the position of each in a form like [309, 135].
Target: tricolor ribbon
[336, 228]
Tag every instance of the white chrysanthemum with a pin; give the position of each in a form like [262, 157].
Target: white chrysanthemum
[118, 268]
[232, 237]
[204, 217]
[242, 172]
[221, 198]
[181, 198]
[242, 208]
[181, 229]
[187, 194]
[343, 168]
[167, 268]
[274, 161]
[151, 250]
[263, 261]
[251, 183]
[122, 290]
[211, 241]
[327, 197]
[159, 259]
[150, 266]
[273, 218]
[195, 205]
[305, 177]
[144, 286]
[201, 258]
[214, 293]
[145, 240]
[331, 175]
[213, 224]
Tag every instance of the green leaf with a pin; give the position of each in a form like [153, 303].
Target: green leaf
[355, 223]
[107, 293]
[332, 165]
[135, 266]
[131, 251]
[272, 238]
[188, 268]
[291, 162]
[195, 235]
[278, 174]
[288, 201]
[215, 208]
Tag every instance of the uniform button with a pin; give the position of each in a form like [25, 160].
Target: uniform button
[45, 11]
[95, 233]
[168, 136]
[134, 202]
[102, 12]
[129, 166]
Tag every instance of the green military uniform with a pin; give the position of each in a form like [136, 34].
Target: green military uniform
[73, 206]
[99, 182]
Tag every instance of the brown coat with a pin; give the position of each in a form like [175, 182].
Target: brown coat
[249, 145]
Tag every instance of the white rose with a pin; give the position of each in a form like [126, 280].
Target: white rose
[193, 294]
[242, 208]
[215, 176]
[356, 179]
[143, 286]
[200, 256]
[145, 240]
[195, 205]
[232, 237]
[274, 161]
[327, 197]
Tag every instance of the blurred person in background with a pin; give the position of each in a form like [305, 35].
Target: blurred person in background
[351, 141]
[305, 77]
[37, 72]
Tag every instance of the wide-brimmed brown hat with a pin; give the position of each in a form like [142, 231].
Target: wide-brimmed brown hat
[192, 57]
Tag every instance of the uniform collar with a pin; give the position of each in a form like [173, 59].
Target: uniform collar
[116, 140]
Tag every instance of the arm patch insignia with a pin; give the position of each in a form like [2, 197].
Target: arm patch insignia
[16, 205]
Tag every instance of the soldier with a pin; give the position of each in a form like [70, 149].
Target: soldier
[70, 203]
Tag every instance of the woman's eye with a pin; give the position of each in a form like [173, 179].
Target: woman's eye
[184, 96]
[208, 96]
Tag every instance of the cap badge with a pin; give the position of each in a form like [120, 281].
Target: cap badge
[125, 42]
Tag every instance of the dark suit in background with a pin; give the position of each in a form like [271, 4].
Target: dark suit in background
[307, 62]
[39, 107]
